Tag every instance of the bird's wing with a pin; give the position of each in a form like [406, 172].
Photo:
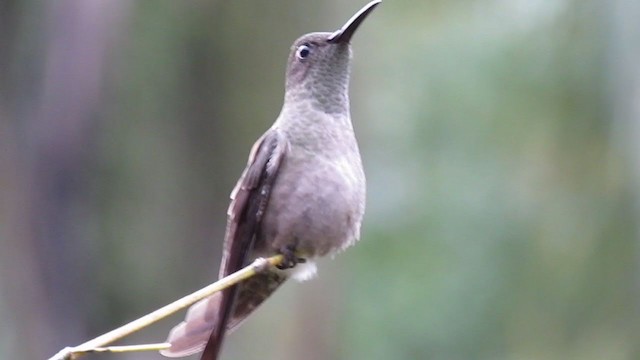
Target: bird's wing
[206, 321]
[250, 196]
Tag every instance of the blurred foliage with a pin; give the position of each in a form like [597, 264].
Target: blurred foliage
[499, 140]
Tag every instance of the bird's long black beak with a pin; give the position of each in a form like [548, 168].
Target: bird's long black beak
[343, 35]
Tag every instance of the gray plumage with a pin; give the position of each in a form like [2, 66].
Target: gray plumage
[302, 193]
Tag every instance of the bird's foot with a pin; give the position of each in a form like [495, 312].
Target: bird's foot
[290, 259]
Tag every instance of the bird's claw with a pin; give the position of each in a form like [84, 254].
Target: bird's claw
[290, 259]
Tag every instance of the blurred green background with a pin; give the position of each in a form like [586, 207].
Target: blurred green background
[500, 140]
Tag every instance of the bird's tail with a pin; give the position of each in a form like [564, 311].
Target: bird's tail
[191, 335]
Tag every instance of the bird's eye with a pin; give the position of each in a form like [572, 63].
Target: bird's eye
[303, 51]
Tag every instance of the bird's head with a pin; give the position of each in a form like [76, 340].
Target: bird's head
[318, 64]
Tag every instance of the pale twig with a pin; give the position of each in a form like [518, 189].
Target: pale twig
[97, 344]
[130, 348]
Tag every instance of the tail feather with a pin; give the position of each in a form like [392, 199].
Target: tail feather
[191, 335]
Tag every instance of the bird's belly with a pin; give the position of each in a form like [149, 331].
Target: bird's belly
[315, 209]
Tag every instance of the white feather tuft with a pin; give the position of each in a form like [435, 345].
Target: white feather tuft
[304, 271]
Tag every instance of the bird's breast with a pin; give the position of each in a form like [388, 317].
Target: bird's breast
[316, 205]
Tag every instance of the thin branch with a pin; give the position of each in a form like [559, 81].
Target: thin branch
[258, 266]
[130, 348]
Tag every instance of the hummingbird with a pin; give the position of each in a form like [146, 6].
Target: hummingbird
[302, 193]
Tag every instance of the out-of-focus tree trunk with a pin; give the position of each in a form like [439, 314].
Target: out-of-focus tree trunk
[47, 144]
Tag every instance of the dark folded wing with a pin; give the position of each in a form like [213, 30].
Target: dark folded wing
[206, 321]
